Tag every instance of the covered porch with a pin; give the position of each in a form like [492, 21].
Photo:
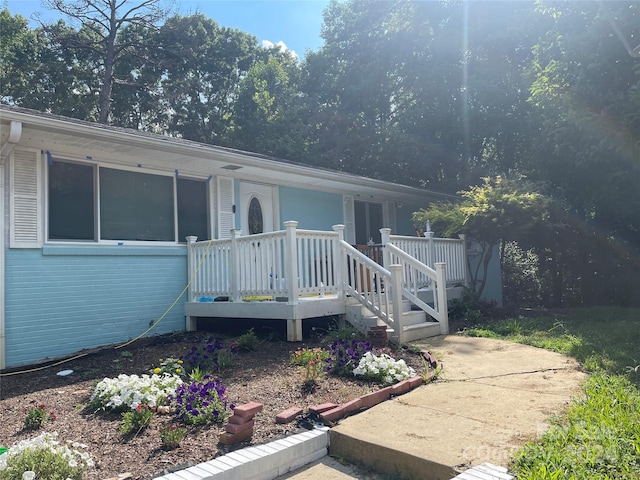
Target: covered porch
[295, 274]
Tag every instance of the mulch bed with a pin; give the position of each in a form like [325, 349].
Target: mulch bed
[264, 375]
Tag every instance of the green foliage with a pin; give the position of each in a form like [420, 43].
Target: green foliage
[171, 436]
[247, 342]
[313, 361]
[597, 438]
[304, 355]
[134, 421]
[47, 458]
[579, 334]
[169, 366]
[37, 416]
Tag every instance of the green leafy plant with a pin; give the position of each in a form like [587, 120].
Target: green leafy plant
[37, 416]
[47, 458]
[313, 362]
[134, 421]
[247, 342]
[171, 366]
[171, 436]
[303, 356]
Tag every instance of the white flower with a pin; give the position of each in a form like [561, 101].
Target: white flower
[383, 368]
[76, 456]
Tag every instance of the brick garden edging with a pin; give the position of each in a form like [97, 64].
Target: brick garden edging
[330, 413]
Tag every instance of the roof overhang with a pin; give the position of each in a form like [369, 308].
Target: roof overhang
[61, 135]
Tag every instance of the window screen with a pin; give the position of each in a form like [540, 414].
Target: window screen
[71, 201]
[192, 209]
[136, 206]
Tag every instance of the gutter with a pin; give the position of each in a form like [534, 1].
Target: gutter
[15, 132]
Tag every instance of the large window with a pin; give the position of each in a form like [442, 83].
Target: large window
[132, 205]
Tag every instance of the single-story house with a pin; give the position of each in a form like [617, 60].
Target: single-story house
[95, 220]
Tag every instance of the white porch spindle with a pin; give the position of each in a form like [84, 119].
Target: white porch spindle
[385, 233]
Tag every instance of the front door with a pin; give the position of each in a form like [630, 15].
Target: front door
[368, 222]
[257, 208]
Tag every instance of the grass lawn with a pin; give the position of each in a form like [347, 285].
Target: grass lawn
[599, 436]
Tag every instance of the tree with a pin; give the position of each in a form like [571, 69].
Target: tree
[203, 65]
[18, 50]
[268, 114]
[424, 93]
[492, 214]
[101, 22]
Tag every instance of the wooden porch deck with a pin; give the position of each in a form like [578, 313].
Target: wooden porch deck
[305, 274]
[307, 307]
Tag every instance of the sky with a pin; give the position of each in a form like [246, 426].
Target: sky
[295, 23]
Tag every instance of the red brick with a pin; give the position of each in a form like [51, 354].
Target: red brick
[375, 398]
[232, 438]
[238, 420]
[235, 428]
[288, 415]
[415, 382]
[248, 409]
[401, 387]
[323, 407]
[334, 414]
[352, 405]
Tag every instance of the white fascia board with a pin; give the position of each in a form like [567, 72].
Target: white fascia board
[299, 175]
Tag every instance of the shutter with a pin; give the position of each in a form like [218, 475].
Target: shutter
[349, 220]
[25, 197]
[224, 204]
[389, 215]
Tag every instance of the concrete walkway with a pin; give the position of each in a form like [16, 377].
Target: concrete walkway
[492, 397]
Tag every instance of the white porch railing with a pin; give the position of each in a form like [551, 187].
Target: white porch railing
[430, 250]
[291, 263]
[287, 263]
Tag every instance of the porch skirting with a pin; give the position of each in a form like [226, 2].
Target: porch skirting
[307, 307]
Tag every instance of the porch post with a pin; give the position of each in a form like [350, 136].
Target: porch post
[191, 322]
[396, 302]
[430, 249]
[385, 233]
[290, 261]
[234, 258]
[294, 325]
[338, 262]
[441, 298]
[465, 259]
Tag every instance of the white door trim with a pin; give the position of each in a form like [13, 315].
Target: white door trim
[267, 195]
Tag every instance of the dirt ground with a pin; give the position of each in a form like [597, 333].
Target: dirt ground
[264, 375]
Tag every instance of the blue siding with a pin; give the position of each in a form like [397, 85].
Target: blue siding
[404, 225]
[313, 210]
[60, 300]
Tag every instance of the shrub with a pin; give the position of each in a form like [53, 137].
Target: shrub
[248, 342]
[171, 436]
[345, 355]
[383, 369]
[36, 417]
[47, 458]
[126, 392]
[201, 403]
[134, 421]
